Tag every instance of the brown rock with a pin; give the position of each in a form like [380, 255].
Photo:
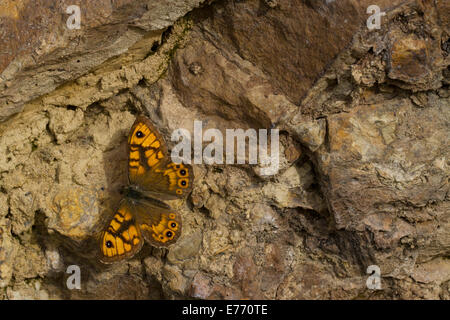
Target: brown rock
[75, 213]
[292, 42]
[8, 251]
[200, 287]
[414, 60]
[41, 52]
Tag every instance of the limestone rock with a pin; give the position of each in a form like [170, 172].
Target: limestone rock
[74, 213]
[42, 52]
[188, 248]
[413, 60]
[8, 251]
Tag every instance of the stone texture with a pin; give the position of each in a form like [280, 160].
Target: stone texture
[277, 39]
[40, 53]
[363, 118]
[415, 61]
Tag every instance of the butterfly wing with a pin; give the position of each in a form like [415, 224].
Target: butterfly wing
[150, 167]
[160, 226]
[122, 238]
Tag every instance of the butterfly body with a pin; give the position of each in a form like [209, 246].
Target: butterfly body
[141, 214]
[135, 195]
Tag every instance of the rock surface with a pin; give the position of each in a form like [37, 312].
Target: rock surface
[364, 147]
[40, 52]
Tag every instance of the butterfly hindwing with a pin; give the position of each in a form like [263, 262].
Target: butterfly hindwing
[149, 165]
[159, 224]
[122, 238]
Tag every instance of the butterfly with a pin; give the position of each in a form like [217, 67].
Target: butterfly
[141, 214]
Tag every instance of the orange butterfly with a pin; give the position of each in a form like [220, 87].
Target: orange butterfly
[141, 215]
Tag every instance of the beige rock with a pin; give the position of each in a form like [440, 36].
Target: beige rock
[388, 167]
[187, 248]
[16, 141]
[153, 267]
[63, 122]
[30, 291]
[200, 287]
[54, 259]
[175, 280]
[118, 287]
[369, 70]
[3, 205]
[216, 206]
[310, 133]
[75, 213]
[8, 251]
[42, 53]
[22, 206]
[292, 189]
[29, 263]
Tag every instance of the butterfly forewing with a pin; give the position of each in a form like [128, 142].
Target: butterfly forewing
[122, 238]
[149, 166]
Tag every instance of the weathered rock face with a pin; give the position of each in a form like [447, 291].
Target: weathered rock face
[364, 144]
[40, 53]
[288, 40]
